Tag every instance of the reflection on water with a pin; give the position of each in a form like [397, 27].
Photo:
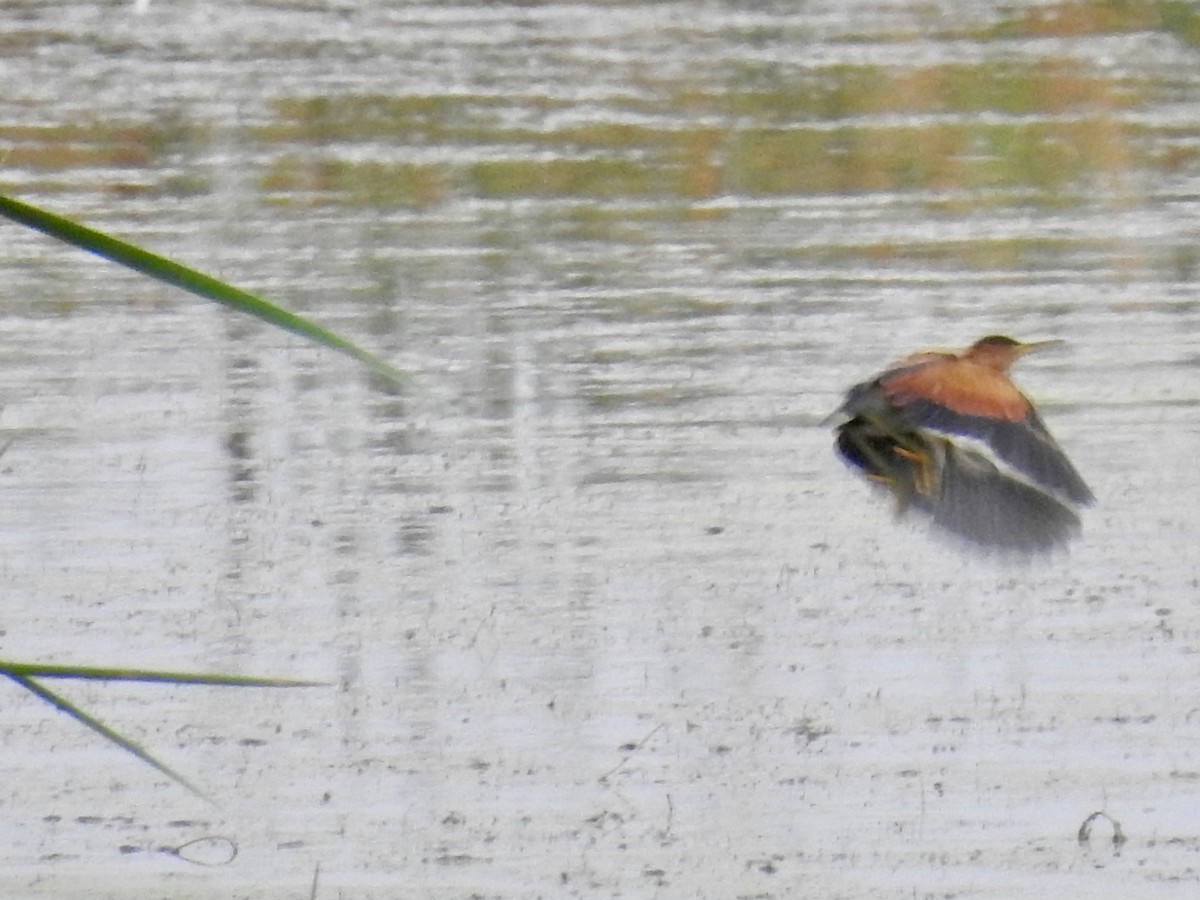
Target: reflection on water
[596, 594]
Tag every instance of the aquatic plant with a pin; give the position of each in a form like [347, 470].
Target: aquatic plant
[29, 675]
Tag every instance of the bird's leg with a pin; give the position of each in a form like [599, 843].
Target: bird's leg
[881, 465]
[913, 448]
[923, 469]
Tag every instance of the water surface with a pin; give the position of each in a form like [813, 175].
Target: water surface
[602, 614]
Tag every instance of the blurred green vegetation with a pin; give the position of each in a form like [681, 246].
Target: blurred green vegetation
[1086, 17]
[838, 130]
[1055, 131]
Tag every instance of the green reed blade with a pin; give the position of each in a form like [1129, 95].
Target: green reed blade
[24, 673]
[100, 728]
[94, 673]
[181, 276]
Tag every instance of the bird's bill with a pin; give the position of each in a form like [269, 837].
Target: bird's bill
[1034, 346]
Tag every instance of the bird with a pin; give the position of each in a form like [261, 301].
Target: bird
[952, 437]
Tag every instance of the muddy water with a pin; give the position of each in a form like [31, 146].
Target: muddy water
[601, 614]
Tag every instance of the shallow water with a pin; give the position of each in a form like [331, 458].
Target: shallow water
[601, 612]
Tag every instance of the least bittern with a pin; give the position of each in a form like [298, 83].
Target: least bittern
[951, 435]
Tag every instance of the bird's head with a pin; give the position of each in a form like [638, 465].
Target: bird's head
[996, 351]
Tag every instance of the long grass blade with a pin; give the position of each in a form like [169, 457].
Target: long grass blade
[103, 730]
[24, 673]
[188, 279]
[93, 673]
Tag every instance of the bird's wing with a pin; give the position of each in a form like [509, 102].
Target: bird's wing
[957, 385]
[960, 399]
[979, 503]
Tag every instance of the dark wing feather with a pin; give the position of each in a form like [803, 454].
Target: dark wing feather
[962, 491]
[978, 502]
[1025, 445]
